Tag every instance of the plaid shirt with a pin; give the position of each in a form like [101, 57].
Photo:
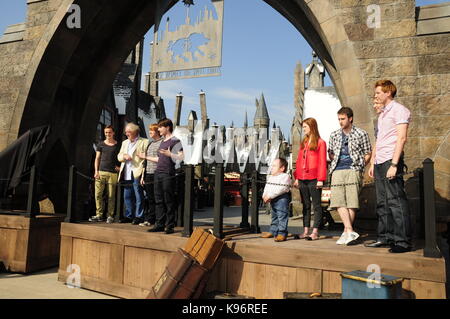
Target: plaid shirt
[358, 146]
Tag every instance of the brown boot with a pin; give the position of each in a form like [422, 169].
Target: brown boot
[267, 235]
[280, 238]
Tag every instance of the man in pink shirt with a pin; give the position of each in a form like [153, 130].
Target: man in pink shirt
[394, 226]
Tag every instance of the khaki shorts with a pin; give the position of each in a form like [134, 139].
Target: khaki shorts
[345, 196]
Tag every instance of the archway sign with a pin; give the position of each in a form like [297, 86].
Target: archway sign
[192, 49]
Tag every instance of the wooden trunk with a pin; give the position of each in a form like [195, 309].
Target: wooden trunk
[29, 244]
[204, 247]
[181, 279]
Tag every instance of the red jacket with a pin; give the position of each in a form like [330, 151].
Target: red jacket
[312, 164]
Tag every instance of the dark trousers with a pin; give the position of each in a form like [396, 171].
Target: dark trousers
[165, 200]
[394, 224]
[309, 191]
[150, 212]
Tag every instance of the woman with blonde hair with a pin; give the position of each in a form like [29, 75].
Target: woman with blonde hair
[310, 173]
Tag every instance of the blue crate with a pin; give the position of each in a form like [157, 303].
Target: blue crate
[356, 285]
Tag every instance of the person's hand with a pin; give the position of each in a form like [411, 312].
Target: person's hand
[117, 168]
[296, 183]
[166, 152]
[127, 157]
[142, 182]
[142, 155]
[266, 199]
[97, 175]
[392, 171]
[319, 184]
[371, 170]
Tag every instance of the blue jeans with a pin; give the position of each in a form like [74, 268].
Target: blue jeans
[134, 199]
[280, 215]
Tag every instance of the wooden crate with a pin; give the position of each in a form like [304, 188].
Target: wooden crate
[204, 247]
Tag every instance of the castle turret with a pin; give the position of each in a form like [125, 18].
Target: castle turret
[262, 119]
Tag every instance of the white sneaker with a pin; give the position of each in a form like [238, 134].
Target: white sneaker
[342, 239]
[110, 220]
[144, 224]
[351, 237]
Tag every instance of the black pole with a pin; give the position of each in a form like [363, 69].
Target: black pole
[431, 249]
[31, 213]
[218, 201]
[244, 205]
[188, 201]
[254, 227]
[71, 195]
[119, 202]
[422, 204]
[180, 208]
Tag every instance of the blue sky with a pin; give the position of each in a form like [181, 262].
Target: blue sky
[261, 49]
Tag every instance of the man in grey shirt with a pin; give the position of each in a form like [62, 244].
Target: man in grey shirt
[148, 179]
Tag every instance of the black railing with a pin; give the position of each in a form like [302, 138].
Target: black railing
[428, 213]
[426, 186]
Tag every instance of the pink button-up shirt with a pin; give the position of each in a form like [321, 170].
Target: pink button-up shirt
[392, 115]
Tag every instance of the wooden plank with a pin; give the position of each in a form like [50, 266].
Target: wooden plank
[65, 256]
[428, 289]
[331, 282]
[116, 265]
[143, 267]
[309, 280]
[14, 222]
[279, 280]
[234, 275]
[260, 281]
[107, 287]
[342, 260]
[128, 236]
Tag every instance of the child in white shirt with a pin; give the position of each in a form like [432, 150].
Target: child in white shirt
[277, 192]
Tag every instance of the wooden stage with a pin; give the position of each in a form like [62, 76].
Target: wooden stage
[126, 261]
[29, 244]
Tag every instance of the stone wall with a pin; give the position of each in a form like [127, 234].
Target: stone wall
[15, 58]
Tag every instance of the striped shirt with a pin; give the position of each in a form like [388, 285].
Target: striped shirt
[358, 146]
[152, 150]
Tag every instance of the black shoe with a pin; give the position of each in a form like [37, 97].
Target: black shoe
[125, 221]
[399, 249]
[156, 229]
[136, 221]
[377, 244]
[169, 231]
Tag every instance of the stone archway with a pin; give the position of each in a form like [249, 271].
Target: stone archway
[61, 76]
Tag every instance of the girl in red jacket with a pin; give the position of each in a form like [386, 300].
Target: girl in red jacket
[310, 173]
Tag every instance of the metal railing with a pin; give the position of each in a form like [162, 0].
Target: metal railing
[426, 185]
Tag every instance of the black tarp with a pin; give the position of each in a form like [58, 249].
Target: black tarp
[17, 159]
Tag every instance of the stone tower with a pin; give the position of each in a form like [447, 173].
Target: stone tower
[262, 119]
[314, 73]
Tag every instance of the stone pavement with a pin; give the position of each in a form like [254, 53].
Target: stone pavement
[41, 285]
[45, 284]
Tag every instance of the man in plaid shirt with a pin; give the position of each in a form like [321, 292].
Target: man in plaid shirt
[349, 150]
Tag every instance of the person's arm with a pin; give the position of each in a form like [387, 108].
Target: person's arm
[372, 160]
[121, 156]
[402, 136]
[97, 164]
[331, 147]
[367, 147]
[322, 165]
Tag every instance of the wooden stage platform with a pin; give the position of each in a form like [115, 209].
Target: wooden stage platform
[126, 261]
[29, 244]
